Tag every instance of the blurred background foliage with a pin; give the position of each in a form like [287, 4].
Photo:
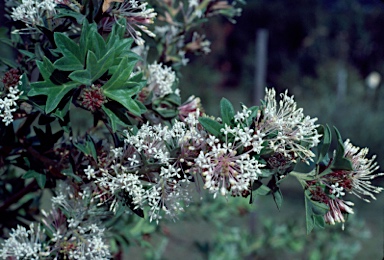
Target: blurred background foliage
[314, 46]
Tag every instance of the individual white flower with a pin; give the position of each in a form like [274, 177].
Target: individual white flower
[337, 190]
[90, 172]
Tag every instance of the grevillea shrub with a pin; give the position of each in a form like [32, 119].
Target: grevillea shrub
[139, 153]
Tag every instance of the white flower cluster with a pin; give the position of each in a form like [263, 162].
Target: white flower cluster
[223, 169]
[24, 244]
[76, 233]
[8, 104]
[286, 128]
[145, 172]
[33, 12]
[161, 79]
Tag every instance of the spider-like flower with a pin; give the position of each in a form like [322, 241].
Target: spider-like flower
[25, 244]
[33, 12]
[8, 103]
[160, 79]
[137, 14]
[357, 181]
[286, 129]
[228, 166]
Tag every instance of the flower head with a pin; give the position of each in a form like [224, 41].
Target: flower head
[137, 15]
[286, 128]
[93, 98]
[228, 166]
[357, 181]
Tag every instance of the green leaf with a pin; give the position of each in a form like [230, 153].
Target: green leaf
[212, 126]
[120, 89]
[63, 12]
[39, 177]
[61, 112]
[88, 148]
[260, 188]
[325, 143]
[319, 221]
[315, 212]
[340, 162]
[123, 96]
[97, 67]
[9, 62]
[115, 118]
[310, 223]
[72, 58]
[28, 54]
[120, 78]
[86, 37]
[54, 93]
[278, 197]
[227, 111]
[81, 76]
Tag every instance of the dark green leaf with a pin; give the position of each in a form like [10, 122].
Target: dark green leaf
[212, 126]
[120, 78]
[72, 58]
[9, 62]
[115, 118]
[340, 162]
[88, 148]
[98, 67]
[69, 13]
[27, 53]
[39, 177]
[315, 211]
[227, 111]
[319, 221]
[81, 76]
[53, 92]
[278, 197]
[260, 188]
[310, 223]
[325, 142]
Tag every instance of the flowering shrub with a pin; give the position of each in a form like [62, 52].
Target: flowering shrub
[146, 151]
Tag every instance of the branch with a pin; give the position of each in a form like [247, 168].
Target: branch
[27, 189]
